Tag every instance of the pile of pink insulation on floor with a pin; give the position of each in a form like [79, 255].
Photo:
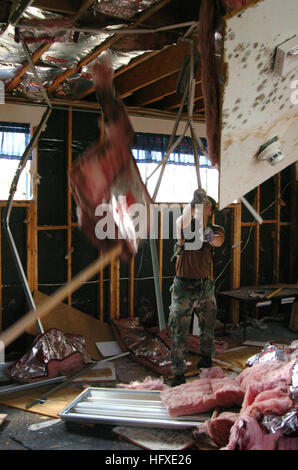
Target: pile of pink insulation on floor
[257, 410]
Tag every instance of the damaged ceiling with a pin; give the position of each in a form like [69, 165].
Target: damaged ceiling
[147, 40]
[149, 43]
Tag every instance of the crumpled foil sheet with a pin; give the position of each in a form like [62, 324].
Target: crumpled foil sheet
[68, 54]
[122, 8]
[8, 71]
[142, 343]
[41, 26]
[29, 87]
[81, 81]
[269, 353]
[287, 424]
[11, 51]
[52, 354]
[294, 384]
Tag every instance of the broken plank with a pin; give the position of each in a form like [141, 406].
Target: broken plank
[228, 365]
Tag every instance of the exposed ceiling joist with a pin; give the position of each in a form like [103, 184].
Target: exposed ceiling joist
[147, 83]
[122, 70]
[84, 7]
[105, 45]
[167, 62]
[173, 102]
[156, 91]
[68, 7]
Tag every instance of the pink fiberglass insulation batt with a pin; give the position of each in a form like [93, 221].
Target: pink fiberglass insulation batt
[202, 395]
[266, 371]
[246, 434]
[148, 383]
[217, 429]
[267, 393]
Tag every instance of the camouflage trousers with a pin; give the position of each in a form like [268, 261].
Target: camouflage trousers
[190, 297]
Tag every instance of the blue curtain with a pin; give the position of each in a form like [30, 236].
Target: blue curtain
[151, 148]
[14, 138]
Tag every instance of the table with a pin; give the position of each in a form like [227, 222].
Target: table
[260, 296]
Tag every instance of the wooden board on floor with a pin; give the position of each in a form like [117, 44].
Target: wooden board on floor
[52, 406]
[2, 418]
[71, 320]
[239, 357]
[156, 439]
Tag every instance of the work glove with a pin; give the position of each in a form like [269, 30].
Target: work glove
[176, 252]
[199, 197]
[208, 235]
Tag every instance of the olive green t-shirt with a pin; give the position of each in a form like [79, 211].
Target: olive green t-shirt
[196, 264]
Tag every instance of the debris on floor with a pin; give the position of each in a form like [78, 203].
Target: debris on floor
[148, 383]
[43, 424]
[247, 400]
[2, 418]
[156, 439]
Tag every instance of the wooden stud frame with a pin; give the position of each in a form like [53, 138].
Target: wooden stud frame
[236, 259]
[277, 228]
[257, 240]
[69, 211]
[115, 308]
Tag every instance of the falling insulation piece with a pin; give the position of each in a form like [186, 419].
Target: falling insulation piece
[105, 180]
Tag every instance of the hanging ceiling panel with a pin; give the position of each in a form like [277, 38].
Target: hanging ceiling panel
[258, 104]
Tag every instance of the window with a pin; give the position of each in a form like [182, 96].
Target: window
[179, 180]
[14, 138]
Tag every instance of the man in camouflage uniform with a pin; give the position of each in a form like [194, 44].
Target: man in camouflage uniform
[193, 289]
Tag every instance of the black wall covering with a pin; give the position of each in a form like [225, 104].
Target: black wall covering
[85, 298]
[13, 297]
[247, 258]
[52, 250]
[52, 201]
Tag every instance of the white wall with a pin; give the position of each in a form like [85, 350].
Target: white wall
[163, 126]
[21, 113]
[32, 114]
